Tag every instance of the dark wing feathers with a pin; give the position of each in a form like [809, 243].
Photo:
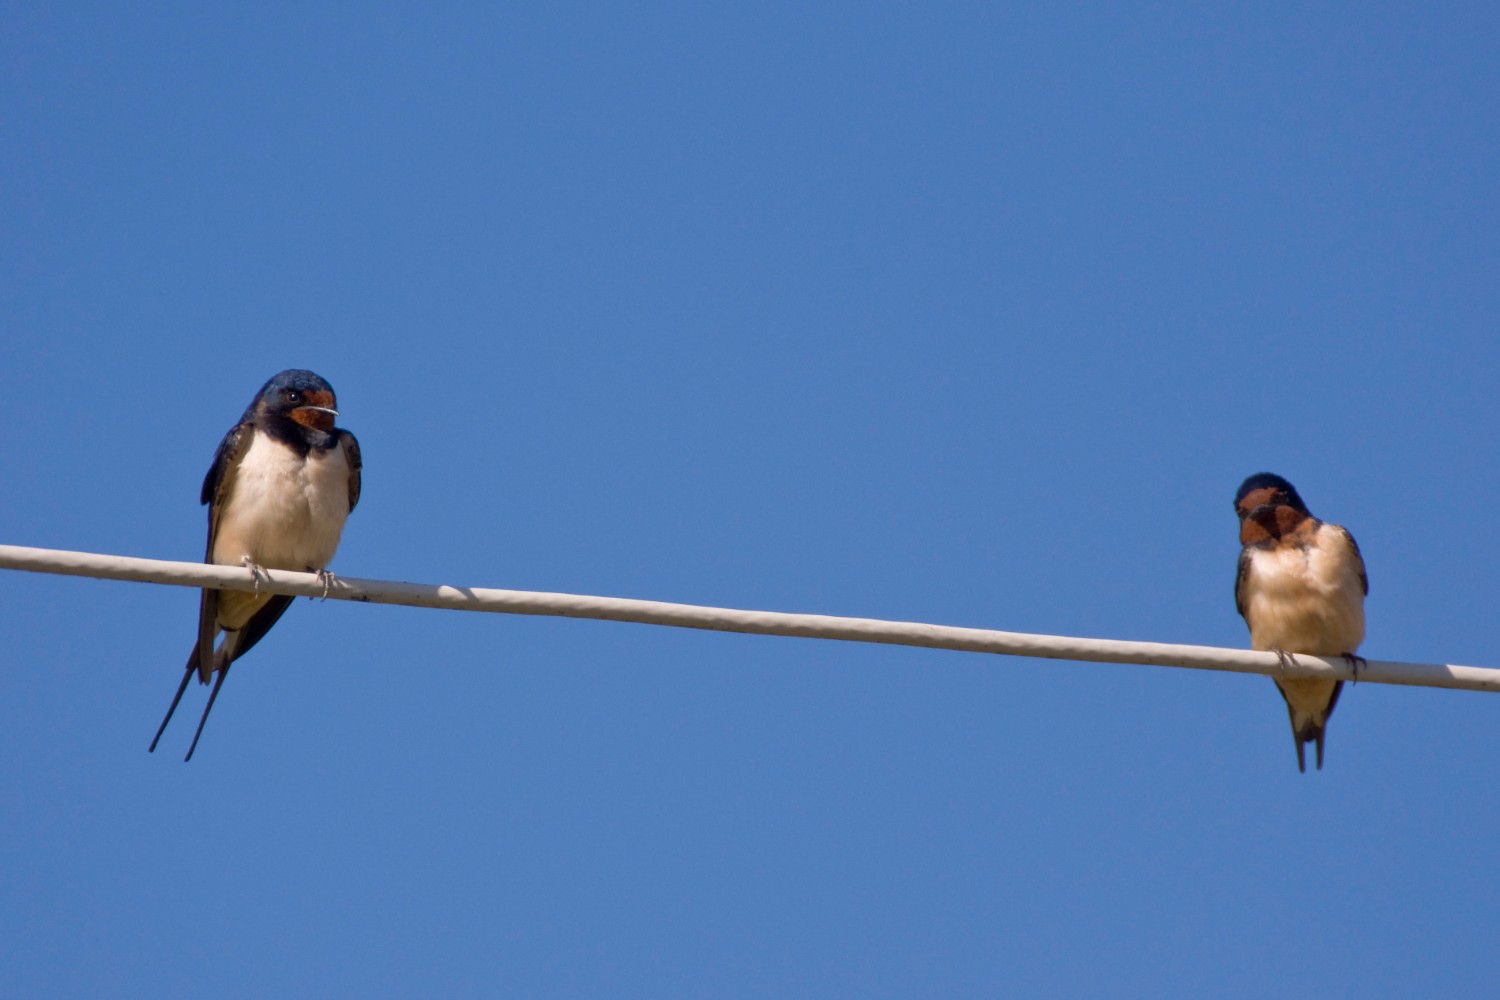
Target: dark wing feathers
[216, 486]
[1241, 578]
[1364, 580]
[352, 456]
[260, 623]
[231, 450]
[220, 478]
[208, 631]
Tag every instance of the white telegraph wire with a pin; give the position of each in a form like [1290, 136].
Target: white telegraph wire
[521, 602]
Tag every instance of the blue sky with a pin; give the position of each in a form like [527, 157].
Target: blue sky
[965, 313]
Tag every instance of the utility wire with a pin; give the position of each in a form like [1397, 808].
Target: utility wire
[521, 602]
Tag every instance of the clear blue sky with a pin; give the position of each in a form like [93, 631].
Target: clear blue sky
[961, 313]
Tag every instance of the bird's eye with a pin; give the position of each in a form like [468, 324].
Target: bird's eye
[293, 396]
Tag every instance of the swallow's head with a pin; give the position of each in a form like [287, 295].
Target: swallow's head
[1268, 507]
[298, 395]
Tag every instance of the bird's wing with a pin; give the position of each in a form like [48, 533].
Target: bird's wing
[1364, 579]
[220, 479]
[216, 487]
[352, 457]
[259, 624]
[1241, 579]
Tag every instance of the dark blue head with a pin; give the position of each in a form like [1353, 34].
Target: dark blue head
[1266, 489]
[297, 395]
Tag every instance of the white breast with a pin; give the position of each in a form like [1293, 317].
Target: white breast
[1306, 600]
[284, 511]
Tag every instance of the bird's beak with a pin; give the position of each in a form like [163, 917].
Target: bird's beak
[314, 416]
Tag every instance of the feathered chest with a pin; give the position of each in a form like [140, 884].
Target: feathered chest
[283, 509]
[1305, 595]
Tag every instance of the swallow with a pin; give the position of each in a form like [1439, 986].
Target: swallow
[282, 483]
[1301, 589]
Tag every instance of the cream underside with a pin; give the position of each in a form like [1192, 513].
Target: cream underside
[1307, 601]
[284, 512]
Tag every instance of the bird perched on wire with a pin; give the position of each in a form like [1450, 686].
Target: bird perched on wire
[1301, 588]
[281, 485]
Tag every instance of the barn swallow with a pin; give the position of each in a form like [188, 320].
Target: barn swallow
[1301, 588]
[281, 485]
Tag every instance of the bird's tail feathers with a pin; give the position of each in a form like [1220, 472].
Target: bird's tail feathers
[192, 664]
[1309, 726]
[218, 662]
[212, 697]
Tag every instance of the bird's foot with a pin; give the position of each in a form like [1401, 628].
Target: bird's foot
[256, 571]
[1355, 663]
[326, 578]
[1284, 658]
